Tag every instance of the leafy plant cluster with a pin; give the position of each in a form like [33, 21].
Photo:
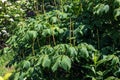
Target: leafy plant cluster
[74, 39]
[10, 14]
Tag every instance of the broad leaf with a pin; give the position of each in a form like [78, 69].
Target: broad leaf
[65, 63]
[56, 64]
[46, 61]
[26, 65]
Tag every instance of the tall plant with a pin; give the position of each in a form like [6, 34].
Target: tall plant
[78, 40]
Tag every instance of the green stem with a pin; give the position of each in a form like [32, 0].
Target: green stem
[73, 35]
[4, 7]
[38, 42]
[53, 36]
[70, 30]
[98, 39]
[113, 47]
[23, 54]
[54, 39]
[36, 5]
[43, 6]
[33, 52]
[49, 39]
[61, 4]
[55, 4]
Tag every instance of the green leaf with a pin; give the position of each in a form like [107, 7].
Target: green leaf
[101, 9]
[106, 8]
[109, 57]
[22, 76]
[65, 63]
[56, 64]
[46, 61]
[46, 32]
[95, 58]
[38, 27]
[112, 78]
[117, 73]
[115, 60]
[116, 13]
[29, 72]
[26, 65]
[72, 51]
[100, 62]
[54, 19]
[100, 73]
[90, 48]
[40, 60]
[16, 76]
[83, 52]
[31, 35]
[93, 78]
[62, 15]
[117, 2]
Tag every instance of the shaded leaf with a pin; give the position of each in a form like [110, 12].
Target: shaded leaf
[46, 61]
[26, 65]
[65, 63]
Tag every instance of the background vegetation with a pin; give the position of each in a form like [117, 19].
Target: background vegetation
[60, 39]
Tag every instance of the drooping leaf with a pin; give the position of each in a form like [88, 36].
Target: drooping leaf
[16, 77]
[106, 8]
[100, 73]
[90, 48]
[31, 35]
[46, 61]
[117, 2]
[72, 51]
[95, 58]
[56, 64]
[100, 62]
[111, 78]
[116, 13]
[22, 76]
[115, 60]
[83, 52]
[65, 63]
[40, 60]
[54, 19]
[100, 9]
[46, 32]
[26, 65]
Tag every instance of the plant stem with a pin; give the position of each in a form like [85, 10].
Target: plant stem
[38, 42]
[73, 35]
[36, 5]
[98, 39]
[54, 39]
[23, 54]
[70, 30]
[61, 4]
[49, 39]
[33, 52]
[113, 47]
[55, 4]
[43, 6]
[53, 36]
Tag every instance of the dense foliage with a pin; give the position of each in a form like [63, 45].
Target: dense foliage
[62, 39]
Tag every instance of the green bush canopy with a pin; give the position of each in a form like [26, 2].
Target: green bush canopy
[62, 39]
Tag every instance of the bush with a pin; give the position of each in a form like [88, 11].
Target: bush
[71, 40]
